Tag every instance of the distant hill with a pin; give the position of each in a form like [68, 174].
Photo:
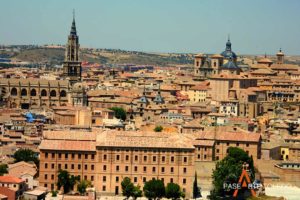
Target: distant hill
[103, 56]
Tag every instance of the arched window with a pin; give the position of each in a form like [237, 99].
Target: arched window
[23, 92]
[14, 92]
[53, 93]
[33, 93]
[63, 93]
[44, 93]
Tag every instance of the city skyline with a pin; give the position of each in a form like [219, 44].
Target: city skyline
[170, 26]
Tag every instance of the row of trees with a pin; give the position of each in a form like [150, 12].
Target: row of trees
[68, 182]
[153, 189]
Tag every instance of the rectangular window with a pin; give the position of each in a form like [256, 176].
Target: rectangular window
[136, 158]
[127, 157]
[104, 157]
[46, 165]
[185, 159]
[135, 168]
[53, 155]
[85, 177]
[104, 179]
[79, 156]
[92, 167]
[52, 177]
[104, 188]
[184, 170]
[145, 158]
[66, 156]
[72, 166]
[163, 170]
[145, 169]
[172, 159]
[92, 156]
[66, 166]
[117, 179]
[86, 156]
[172, 170]
[46, 176]
[73, 156]
[104, 167]
[171, 180]
[153, 169]
[79, 166]
[144, 179]
[85, 167]
[59, 156]
[117, 157]
[59, 166]
[92, 178]
[117, 168]
[154, 158]
[135, 179]
[184, 181]
[46, 155]
[52, 166]
[126, 168]
[163, 159]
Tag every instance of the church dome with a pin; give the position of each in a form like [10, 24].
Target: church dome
[228, 53]
[230, 65]
[78, 87]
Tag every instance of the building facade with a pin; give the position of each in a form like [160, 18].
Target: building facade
[34, 93]
[106, 158]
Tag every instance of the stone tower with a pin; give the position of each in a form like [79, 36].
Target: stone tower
[280, 57]
[72, 65]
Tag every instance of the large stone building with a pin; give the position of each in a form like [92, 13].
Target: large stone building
[225, 62]
[34, 93]
[105, 158]
[72, 66]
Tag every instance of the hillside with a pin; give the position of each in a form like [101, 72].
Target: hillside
[103, 56]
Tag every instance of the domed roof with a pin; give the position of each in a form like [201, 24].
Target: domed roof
[78, 87]
[230, 65]
[264, 60]
[228, 52]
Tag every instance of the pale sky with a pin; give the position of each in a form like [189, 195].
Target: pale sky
[189, 26]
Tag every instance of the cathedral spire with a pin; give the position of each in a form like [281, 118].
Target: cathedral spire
[73, 27]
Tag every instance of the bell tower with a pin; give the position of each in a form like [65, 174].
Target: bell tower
[72, 65]
[280, 57]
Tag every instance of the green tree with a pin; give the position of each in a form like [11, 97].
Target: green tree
[196, 189]
[229, 170]
[3, 169]
[154, 189]
[158, 129]
[127, 187]
[26, 155]
[173, 191]
[120, 113]
[66, 181]
[82, 185]
[137, 192]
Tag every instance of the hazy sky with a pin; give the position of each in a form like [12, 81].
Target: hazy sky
[255, 26]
